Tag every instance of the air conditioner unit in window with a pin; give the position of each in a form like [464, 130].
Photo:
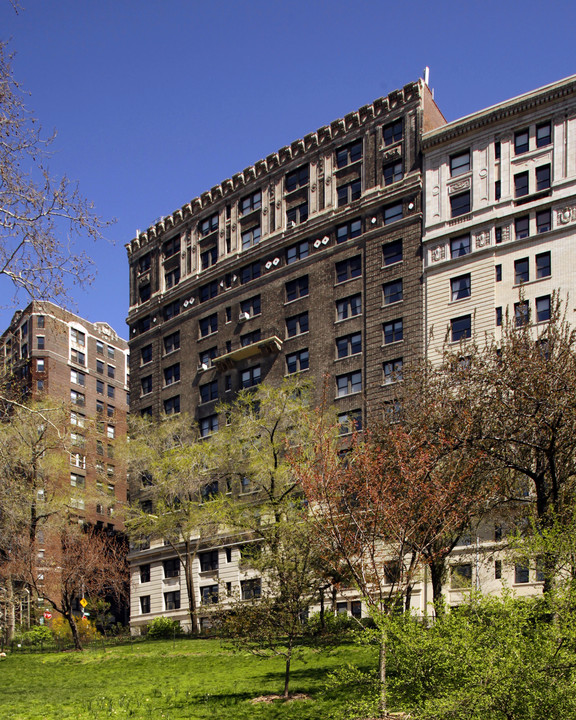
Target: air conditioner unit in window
[291, 224]
[202, 367]
[243, 316]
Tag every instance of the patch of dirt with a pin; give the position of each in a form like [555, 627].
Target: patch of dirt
[272, 698]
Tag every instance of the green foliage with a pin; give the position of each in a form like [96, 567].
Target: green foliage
[163, 628]
[36, 636]
[62, 633]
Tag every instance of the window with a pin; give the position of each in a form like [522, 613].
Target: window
[172, 374]
[521, 313]
[297, 178]
[349, 154]
[40, 320]
[145, 573]
[251, 589]
[209, 391]
[207, 356]
[208, 325]
[297, 252]
[77, 377]
[251, 307]
[251, 237]
[521, 271]
[99, 366]
[209, 594]
[461, 328]
[540, 572]
[349, 345]
[40, 385]
[498, 235]
[498, 273]
[543, 265]
[393, 172]
[349, 307]
[393, 331]
[460, 287]
[542, 178]
[393, 213]
[77, 480]
[171, 247]
[250, 272]
[392, 252]
[172, 405]
[144, 325]
[297, 215]
[349, 230]
[349, 422]
[40, 365]
[543, 221]
[295, 362]
[461, 576]
[521, 573]
[210, 492]
[250, 377]
[459, 246]
[208, 258]
[171, 310]
[171, 567]
[111, 371]
[250, 203]
[99, 406]
[144, 604]
[76, 356]
[110, 432]
[110, 391]
[77, 337]
[521, 184]
[245, 487]
[497, 190]
[144, 263]
[172, 342]
[393, 371]
[208, 561]
[99, 447]
[77, 418]
[460, 164]
[393, 292]
[522, 227]
[250, 338]
[297, 324]
[498, 317]
[543, 134]
[40, 342]
[297, 288]
[172, 600]
[349, 192]
[460, 204]
[349, 383]
[521, 142]
[146, 354]
[208, 291]
[543, 308]
[171, 278]
[78, 460]
[208, 425]
[209, 225]
[348, 269]
[392, 133]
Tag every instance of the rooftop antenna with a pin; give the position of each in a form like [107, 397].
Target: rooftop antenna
[427, 75]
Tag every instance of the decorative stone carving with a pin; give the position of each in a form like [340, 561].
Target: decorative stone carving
[459, 186]
[436, 190]
[278, 205]
[566, 215]
[313, 188]
[328, 180]
[483, 173]
[233, 227]
[506, 233]
[392, 155]
[437, 253]
[264, 211]
[482, 239]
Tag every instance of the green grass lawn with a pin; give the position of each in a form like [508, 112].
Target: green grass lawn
[164, 679]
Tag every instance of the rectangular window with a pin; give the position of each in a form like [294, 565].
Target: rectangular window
[251, 589]
[208, 258]
[99, 366]
[208, 291]
[40, 342]
[348, 269]
[498, 235]
[521, 573]
[208, 561]
[171, 247]
[522, 227]
[206, 357]
[543, 308]
[543, 265]
[521, 271]
[393, 371]
[349, 422]
[543, 134]
[392, 252]
[144, 263]
[521, 184]
[393, 172]
[297, 215]
[393, 292]
[521, 313]
[77, 377]
[349, 154]
[498, 273]
[498, 317]
[172, 405]
[40, 365]
[110, 432]
[146, 383]
[40, 321]
[172, 374]
[392, 133]
[349, 383]
[349, 345]
[208, 325]
[250, 377]
[460, 204]
[250, 203]
[111, 371]
[297, 324]
[171, 567]
[145, 292]
[460, 164]
[172, 600]
[542, 178]
[521, 142]
[209, 225]
[146, 354]
[144, 604]
[171, 278]
[250, 272]
[497, 150]
[78, 337]
[349, 192]
[209, 391]
[208, 425]
[251, 237]
[110, 391]
[171, 342]
[250, 338]
[461, 576]
[145, 573]
[497, 190]
[297, 288]
[295, 362]
[99, 387]
[459, 246]
[297, 178]
[76, 356]
[349, 230]
[171, 310]
[297, 252]
[543, 221]
[250, 307]
[77, 480]
[460, 287]
[393, 213]
[349, 307]
[461, 328]
[393, 331]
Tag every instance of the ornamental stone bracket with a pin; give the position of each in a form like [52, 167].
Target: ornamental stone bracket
[482, 239]
[566, 215]
[459, 186]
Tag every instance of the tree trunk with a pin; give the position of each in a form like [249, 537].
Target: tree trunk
[74, 629]
[194, 629]
[437, 576]
[382, 674]
[10, 612]
[287, 671]
[322, 618]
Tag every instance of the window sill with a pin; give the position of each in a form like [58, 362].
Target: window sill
[347, 357]
[293, 337]
[394, 342]
[460, 300]
[296, 372]
[289, 302]
[204, 337]
[169, 386]
[352, 317]
[391, 304]
[341, 397]
[392, 264]
[524, 199]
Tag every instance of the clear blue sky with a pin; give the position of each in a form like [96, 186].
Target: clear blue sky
[156, 101]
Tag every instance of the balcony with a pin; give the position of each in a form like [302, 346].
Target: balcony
[267, 346]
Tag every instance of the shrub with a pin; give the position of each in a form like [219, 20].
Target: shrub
[164, 628]
[37, 636]
[62, 633]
